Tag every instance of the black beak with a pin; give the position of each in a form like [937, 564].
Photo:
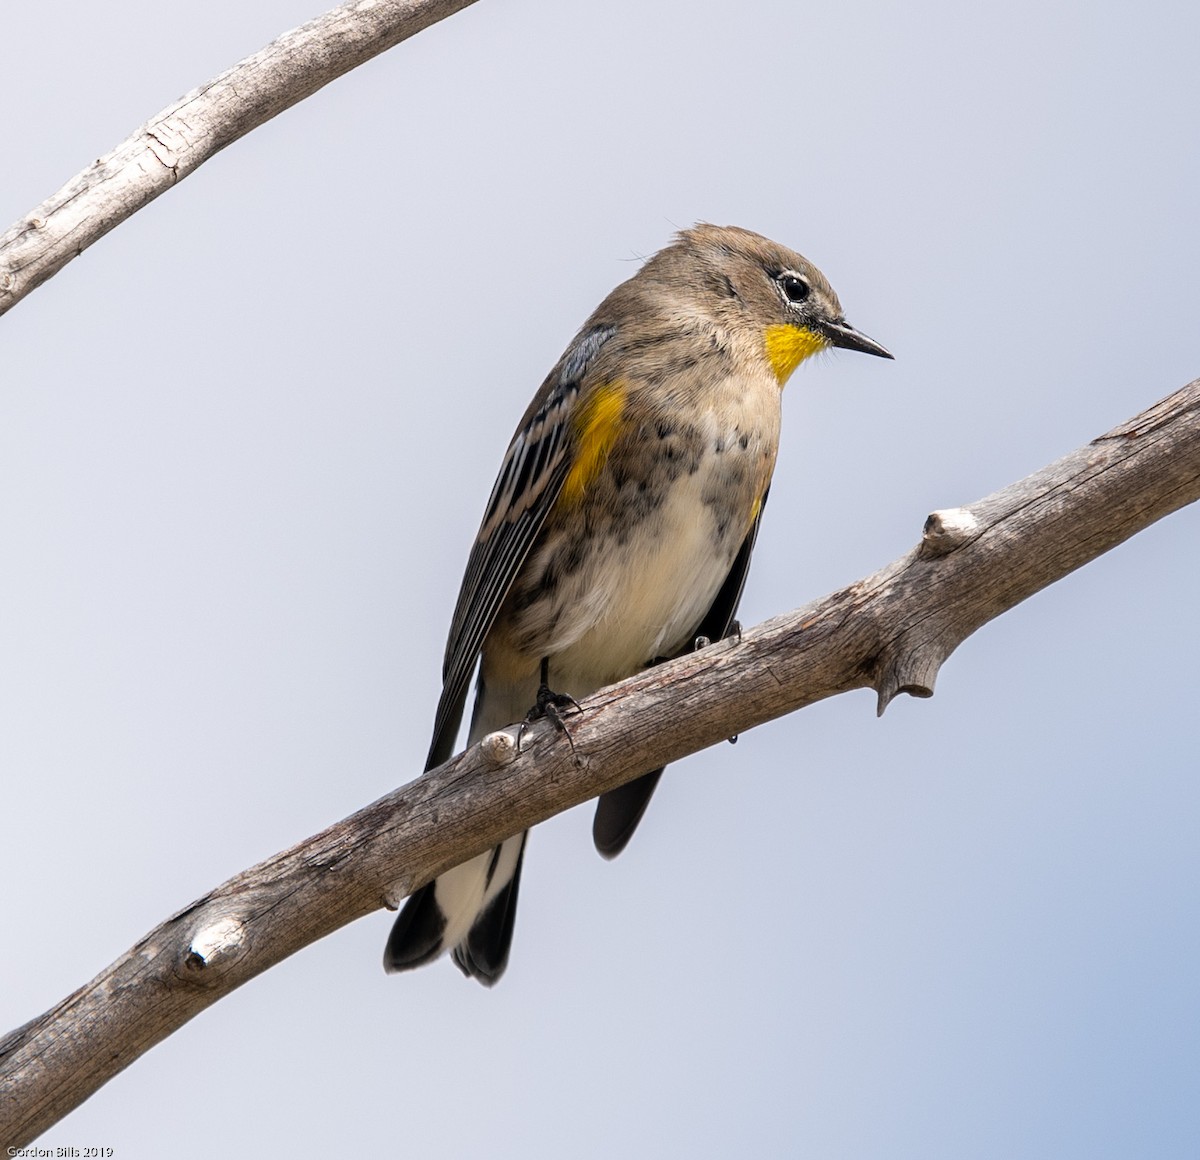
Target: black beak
[842, 334]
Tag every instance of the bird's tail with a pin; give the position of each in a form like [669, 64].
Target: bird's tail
[469, 910]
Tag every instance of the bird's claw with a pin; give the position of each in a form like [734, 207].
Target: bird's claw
[550, 706]
[734, 633]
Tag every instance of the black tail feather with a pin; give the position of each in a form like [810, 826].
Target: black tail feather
[483, 954]
[619, 811]
[416, 937]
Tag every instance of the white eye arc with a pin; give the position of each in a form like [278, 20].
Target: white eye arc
[794, 287]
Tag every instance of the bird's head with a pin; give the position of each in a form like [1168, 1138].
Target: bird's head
[779, 293]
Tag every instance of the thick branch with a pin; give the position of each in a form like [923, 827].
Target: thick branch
[186, 134]
[890, 631]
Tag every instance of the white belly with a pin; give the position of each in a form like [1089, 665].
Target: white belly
[647, 578]
[646, 595]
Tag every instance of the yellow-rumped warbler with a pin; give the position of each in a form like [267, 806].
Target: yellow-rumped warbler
[620, 527]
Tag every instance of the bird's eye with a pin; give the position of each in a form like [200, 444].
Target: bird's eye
[795, 288]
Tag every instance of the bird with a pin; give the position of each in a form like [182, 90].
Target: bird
[620, 528]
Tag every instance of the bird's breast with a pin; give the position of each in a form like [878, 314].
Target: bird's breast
[625, 573]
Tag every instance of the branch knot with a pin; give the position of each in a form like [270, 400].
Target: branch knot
[946, 530]
[212, 950]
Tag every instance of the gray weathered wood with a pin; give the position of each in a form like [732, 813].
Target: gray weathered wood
[890, 631]
[186, 134]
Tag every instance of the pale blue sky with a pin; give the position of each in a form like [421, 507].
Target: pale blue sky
[245, 442]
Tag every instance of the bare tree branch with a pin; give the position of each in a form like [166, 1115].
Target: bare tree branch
[890, 631]
[186, 134]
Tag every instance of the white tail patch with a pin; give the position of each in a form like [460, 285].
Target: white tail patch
[464, 892]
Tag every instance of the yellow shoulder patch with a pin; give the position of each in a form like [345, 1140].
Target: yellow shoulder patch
[788, 346]
[597, 425]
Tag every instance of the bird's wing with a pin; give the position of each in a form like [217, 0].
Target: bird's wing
[530, 479]
[619, 811]
[718, 620]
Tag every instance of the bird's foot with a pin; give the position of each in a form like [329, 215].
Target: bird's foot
[734, 633]
[550, 706]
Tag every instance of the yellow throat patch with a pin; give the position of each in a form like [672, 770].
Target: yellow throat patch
[788, 346]
[597, 424]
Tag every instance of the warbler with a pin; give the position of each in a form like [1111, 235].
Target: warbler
[620, 527]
